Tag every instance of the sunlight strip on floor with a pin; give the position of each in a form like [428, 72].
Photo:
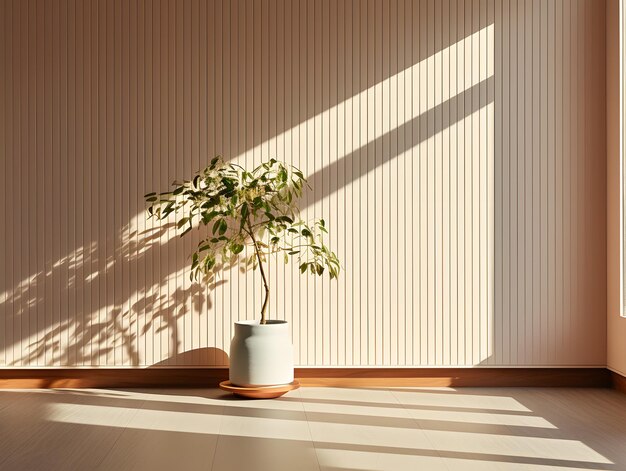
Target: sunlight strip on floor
[470, 401]
[443, 416]
[337, 433]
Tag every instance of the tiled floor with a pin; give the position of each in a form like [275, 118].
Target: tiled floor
[314, 428]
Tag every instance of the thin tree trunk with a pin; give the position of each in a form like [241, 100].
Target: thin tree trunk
[265, 284]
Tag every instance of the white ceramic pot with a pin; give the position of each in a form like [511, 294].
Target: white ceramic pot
[261, 354]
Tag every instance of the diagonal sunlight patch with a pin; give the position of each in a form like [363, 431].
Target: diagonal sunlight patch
[468, 401]
[443, 416]
[148, 419]
[487, 418]
[497, 444]
[341, 459]
[421, 104]
[375, 458]
[392, 439]
[526, 446]
[176, 421]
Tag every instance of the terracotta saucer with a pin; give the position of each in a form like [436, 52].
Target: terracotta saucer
[259, 392]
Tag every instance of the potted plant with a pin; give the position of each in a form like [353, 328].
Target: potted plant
[255, 209]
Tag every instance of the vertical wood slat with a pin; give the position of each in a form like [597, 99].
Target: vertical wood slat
[452, 147]
[4, 276]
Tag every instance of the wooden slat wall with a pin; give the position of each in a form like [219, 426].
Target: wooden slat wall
[616, 126]
[620, 57]
[456, 148]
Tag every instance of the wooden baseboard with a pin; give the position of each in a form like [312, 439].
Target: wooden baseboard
[454, 377]
[329, 377]
[618, 381]
[112, 378]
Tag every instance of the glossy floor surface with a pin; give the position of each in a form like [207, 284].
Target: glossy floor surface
[314, 429]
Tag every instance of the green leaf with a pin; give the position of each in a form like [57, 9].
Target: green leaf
[223, 227]
[209, 263]
[244, 214]
[182, 222]
[216, 226]
[282, 174]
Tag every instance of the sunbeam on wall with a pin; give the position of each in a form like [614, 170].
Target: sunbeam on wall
[451, 145]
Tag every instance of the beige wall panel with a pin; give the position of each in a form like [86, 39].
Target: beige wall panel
[616, 323]
[454, 147]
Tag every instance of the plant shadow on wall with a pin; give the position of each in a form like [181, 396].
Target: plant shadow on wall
[154, 310]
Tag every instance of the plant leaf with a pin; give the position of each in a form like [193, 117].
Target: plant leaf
[223, 227]
[216, 226]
